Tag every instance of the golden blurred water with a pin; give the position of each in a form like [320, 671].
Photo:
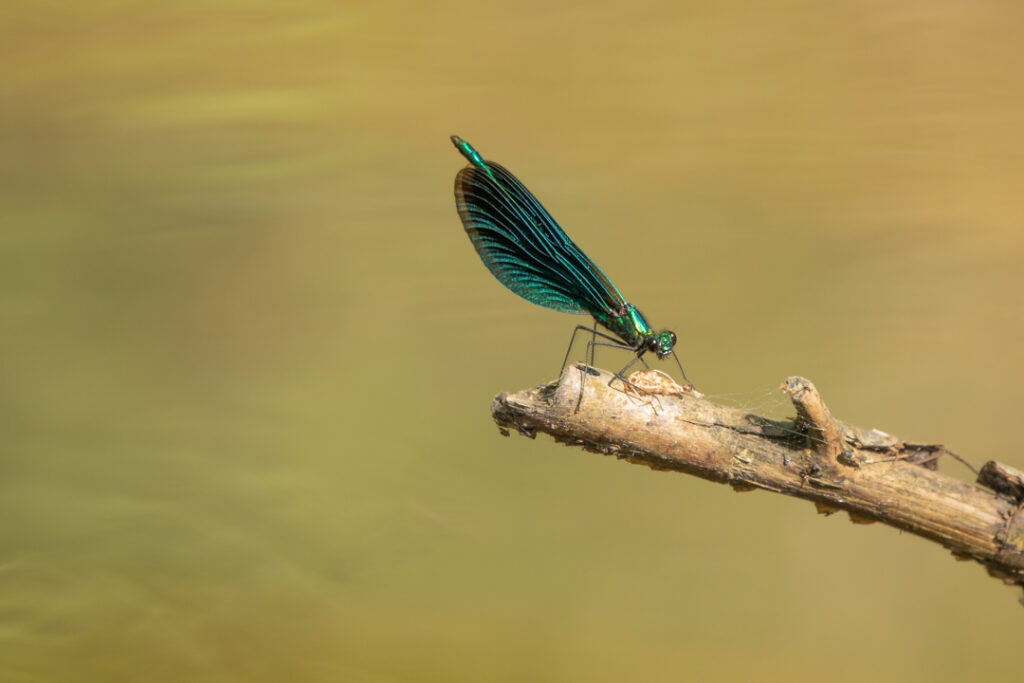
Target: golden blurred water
[247, 352]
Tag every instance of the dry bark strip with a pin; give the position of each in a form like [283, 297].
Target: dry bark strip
[871, 475]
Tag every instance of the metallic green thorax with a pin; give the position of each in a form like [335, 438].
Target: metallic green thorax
[629, 323]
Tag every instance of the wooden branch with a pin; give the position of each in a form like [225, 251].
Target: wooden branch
[871, 475]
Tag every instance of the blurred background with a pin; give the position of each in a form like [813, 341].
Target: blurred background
[247, 353]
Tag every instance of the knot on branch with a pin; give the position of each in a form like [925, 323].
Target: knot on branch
[1003, 479]
[814, 417]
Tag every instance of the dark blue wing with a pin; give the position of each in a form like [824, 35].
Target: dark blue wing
[524, 247]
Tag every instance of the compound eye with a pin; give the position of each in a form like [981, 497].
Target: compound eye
[653, 345]
[671, 339]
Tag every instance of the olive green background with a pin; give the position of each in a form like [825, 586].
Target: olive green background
[247, 352]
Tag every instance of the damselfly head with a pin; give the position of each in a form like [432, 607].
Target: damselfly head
[661, 344]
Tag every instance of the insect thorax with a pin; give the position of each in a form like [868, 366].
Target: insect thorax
[627, 323]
